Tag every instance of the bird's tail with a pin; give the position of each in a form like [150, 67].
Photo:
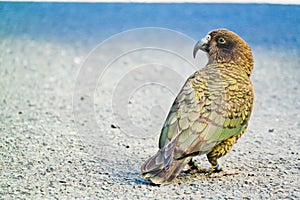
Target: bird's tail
[162, 168]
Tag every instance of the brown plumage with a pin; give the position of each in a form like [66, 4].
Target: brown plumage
[211, 111]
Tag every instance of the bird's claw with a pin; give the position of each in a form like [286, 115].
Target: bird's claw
[221, 173]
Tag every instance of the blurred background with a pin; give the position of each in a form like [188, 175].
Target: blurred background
[89, 23]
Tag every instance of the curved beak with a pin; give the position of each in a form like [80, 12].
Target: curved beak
[202, 45]
[196, 48]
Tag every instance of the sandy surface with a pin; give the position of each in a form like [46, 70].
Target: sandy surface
[91, 147]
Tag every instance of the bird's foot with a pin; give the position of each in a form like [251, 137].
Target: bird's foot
[200, 170]
[192, 165]
[221, 173]
[194, 168]
[217, 168]
[218, 172]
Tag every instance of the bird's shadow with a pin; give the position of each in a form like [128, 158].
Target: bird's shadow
[142, 181]
[139, 180]
[185, 175]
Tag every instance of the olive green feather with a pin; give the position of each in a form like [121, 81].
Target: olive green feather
[210, 112]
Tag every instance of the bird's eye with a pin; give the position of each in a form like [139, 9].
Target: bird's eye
[221, 40]
[208, 37]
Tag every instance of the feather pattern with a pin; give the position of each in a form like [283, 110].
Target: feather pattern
[213, 106]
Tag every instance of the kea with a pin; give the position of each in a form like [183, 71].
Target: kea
[210, 113]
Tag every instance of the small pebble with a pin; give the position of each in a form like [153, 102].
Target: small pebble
[114, 126]
[62, 181]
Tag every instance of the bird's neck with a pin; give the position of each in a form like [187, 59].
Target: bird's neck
[246, 63]
[242, 62]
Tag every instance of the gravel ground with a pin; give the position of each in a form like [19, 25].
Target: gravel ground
[44, 153]
[78, 120]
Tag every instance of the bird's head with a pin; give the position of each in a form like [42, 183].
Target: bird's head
[224, 46]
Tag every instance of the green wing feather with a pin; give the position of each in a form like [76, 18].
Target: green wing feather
[205, 113]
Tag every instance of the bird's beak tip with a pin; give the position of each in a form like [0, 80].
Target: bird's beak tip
[196, 48]
[202, 44]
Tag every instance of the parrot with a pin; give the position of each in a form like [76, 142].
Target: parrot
[211, 111]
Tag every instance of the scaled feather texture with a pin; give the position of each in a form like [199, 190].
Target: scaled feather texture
[211, 111]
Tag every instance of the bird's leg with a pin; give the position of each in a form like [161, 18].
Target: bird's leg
[219, 151]
[194, 168]
[192, 164]
[214, 155]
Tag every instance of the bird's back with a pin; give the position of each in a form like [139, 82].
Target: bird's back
[214, 104]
